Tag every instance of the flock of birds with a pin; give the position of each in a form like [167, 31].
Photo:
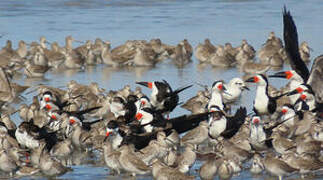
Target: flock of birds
[134, 134]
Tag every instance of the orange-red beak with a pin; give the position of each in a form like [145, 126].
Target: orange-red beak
[138, 116]
[72, 121]
[147, 84]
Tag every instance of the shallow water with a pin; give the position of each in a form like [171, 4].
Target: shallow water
[170, 20]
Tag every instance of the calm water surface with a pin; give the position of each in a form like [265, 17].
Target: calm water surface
[170, 20]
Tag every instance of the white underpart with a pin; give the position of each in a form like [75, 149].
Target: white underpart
[3, 129]
[139, 106]
[55, 125]
[25, 139]
[116, 141]
[261, 100]
[310, 101]
[146, 118]
[257, 134]
[216, 127]
[153, 98]
[294, 83]
[289, 117]
[117, 109]
[216, 100]
[233, 89]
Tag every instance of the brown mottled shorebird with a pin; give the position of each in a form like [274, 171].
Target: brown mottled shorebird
[221, 58]
[7, 164]
[302, 164]
[111, 157]
[281, 144]
[209, 169]
[35, 71]
[131, 163]
[163, 172]
[197, 135]
[204, 51]
[276, 166]
[186, 159]
[304, 51]
[257, 165]
[225, 170]
[50, 166]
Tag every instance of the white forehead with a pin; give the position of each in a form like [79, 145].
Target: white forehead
[236, 80]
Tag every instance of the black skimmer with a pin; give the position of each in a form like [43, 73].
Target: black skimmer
[216, 95]
[124, 108]
[225, 126]
[314, 77]
[48, 97]
[264, 104]
[294, 81]
[163, 98]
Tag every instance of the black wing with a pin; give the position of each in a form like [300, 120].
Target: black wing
[187, 122]
[291, 45]
[234, 123]
[87, 125]
[139, 141]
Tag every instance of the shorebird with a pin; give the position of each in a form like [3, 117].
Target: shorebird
[307, 145]
[271, 46]
[203, 52]
[233, 152]
[281, 144]
[163, 172]
[39, 58]
[163, 98]
[197, 103]
[7, 164]
[131, 163]
[181, 57]
[111, 157]
[250, 67]
[186, 159]
[7, 138]
[55, 57]
[50, 166]
[37, 71]
[225, 170]
[22, 50]
[277, 167]
[62, 149]
[89, 56]
[230, 50]
[257, 165]
[221, 58]
[209, 169]
[145, 56]
[302, 164]
[248, 49]
[197, 135]
[304, 51]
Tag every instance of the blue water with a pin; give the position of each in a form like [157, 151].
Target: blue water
[170, 20]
